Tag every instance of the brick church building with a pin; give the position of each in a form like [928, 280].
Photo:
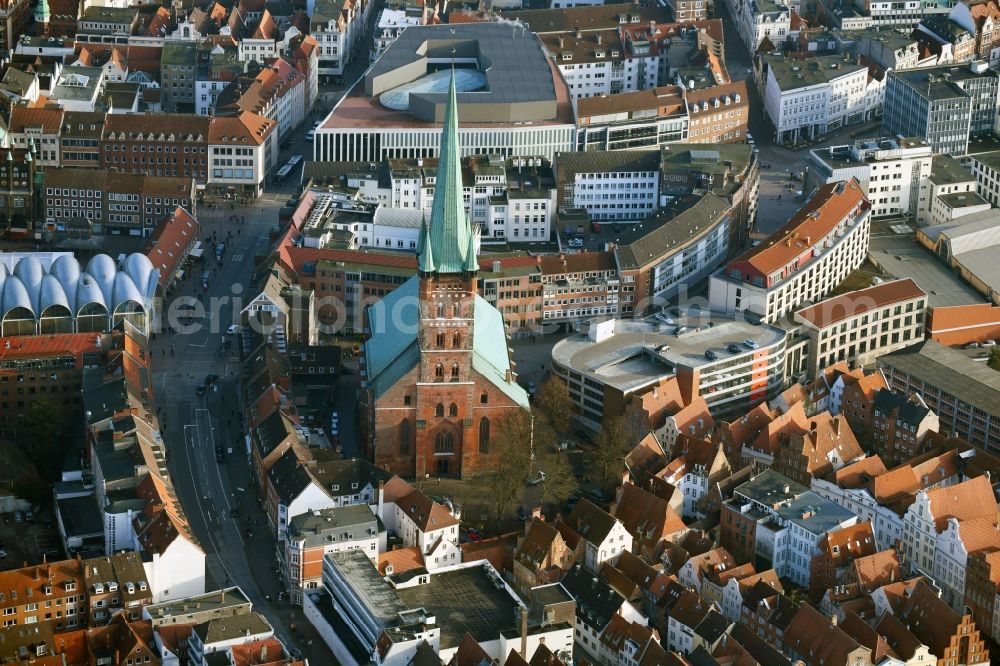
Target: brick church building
[437, 374]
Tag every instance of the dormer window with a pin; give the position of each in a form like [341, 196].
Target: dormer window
[599, 54]
[614, 54]
[567, 56]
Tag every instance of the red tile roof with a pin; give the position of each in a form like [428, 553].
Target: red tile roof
[843, 307]
[170, 241]
[792, 244]
[243, 129]
[966, 500]
[401, 560]
[50, 120]
[34, 346]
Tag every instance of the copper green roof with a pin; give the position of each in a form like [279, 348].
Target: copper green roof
[393, 349]
[449, 244]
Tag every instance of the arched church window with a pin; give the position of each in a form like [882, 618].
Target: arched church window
[444, 442]
[484, 435]
[439, 410]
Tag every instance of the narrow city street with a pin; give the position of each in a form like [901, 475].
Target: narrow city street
[221, 503]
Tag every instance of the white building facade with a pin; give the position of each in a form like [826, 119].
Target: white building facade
[819, 264]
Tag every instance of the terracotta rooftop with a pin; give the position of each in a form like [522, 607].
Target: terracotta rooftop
[859, 473]
[39, 346]
[170, 241]
[930, 619]
[818, 641]
[582, 262]
[980, 533]
[667, 100]
[401, 560]
[849, 543]
[970, 499]
[537, 544]
[646, 517]
[876, 569]
[829, 206]
[834, 310]
[50, 120]
[246, 128]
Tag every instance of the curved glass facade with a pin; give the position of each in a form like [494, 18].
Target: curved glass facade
[466, 80]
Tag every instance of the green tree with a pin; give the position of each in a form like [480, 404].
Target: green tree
[553, 406]
[40, 432]
[613, 442]
[513, 460]
[994, 361]
[559, 481]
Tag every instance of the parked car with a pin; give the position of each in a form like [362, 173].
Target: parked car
[233, 329]
[751, 344]
[310, 135]
[711, 355]
[3, 553]
[733, 349]
[200, 390]
[664, 317]
[536, 479]
[990, 343]
[575, 242]
[18, 517]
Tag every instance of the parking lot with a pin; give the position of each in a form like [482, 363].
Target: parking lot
[27, 542]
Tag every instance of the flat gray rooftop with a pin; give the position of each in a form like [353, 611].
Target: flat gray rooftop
[218, 603]
[899, 255]
[642, 352]
[510, 56]
[950, 370]
[377, 594]
[464, 600]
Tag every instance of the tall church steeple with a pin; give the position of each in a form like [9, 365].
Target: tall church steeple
[448, 244]
[42, 16]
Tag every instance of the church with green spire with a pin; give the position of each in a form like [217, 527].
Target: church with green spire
[437, 374]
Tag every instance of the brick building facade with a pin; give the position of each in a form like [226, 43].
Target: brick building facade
[437, 375]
